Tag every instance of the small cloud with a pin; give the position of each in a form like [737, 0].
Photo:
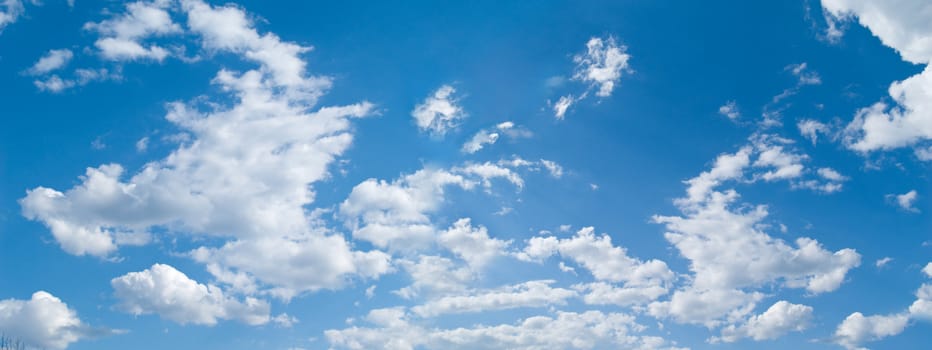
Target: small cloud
[905, 201]
[142, 145]
[730, 110]
[883, 262]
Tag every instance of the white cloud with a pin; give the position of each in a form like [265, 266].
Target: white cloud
[122, 35]
[728, 250]
[565, 330]
[562, 105]
[805, 75]
[143, 144]
[479, 140]
[225, 180]
[10, 10]
[52, 60]
[730, 110]
[883, 262]
[810, 129]
[903, 26]
[434, 276]
[531, 294]
[396, 215]
[857, 329]
[781, 318]
[489, 137]
[472, 244]
[831, 174]
[303, 263]
[165, 291]
[555, 170]
[439, 113]
[906, 200]
[44, 321]
[601, 65]
[642, 280]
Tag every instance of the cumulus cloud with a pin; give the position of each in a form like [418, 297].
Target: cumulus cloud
[224, 180]
[169, 293]
[641, 280]
[392, 329]
[439, 113]
[44, 321]
[858, 329]
[903, 26]
[122, 35]
[781, 318]
[396, 214]
[472, 244]
[730, 254]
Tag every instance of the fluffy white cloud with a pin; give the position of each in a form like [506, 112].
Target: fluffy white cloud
[641, 281]
[565, 330]
[439, 113]
[304, 263]
[122, 35]
[52, 60]
[243, 174]
[602, 64]
[728, 251]
[857, 329]
[165, 291]
[434, 276]
[396, 214]
[527, 294]
[472, 244]
[902, 25]
[44, 321]
[781, 318]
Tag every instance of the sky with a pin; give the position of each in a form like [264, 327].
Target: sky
[191, 174]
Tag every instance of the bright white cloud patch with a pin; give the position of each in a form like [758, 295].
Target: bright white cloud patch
[169, 293]
[44, 321]
[602, 64]
[562, 105]
[729, 253]
[858, 329]
[781, 318]
[903, 26]
[439, 113]
[488, 137]
[392, 329]
[122, 35]
[810, 129]
[212, 186]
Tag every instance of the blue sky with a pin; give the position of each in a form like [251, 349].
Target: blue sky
[548, 175]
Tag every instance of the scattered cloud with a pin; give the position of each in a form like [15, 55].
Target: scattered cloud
[44, 321]
[439, 113]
